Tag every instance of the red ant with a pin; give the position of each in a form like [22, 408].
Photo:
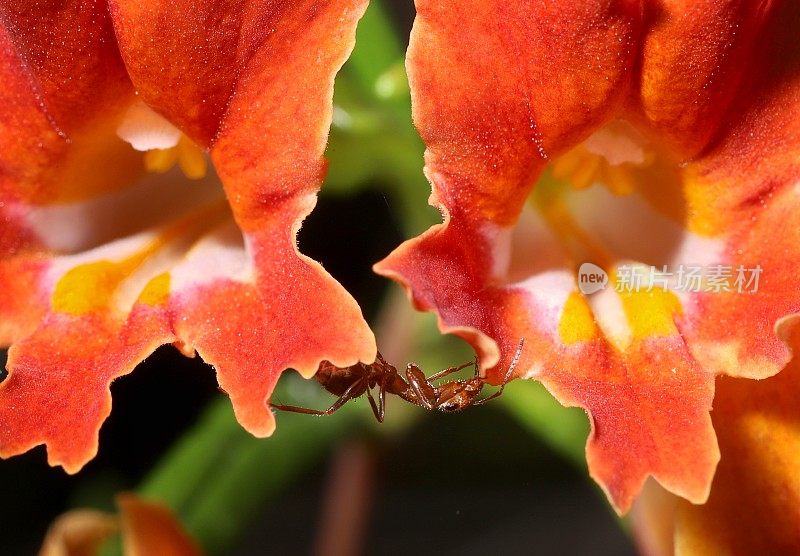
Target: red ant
[351, 382]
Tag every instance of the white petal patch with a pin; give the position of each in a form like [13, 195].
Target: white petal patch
[629, 228]
[162, 260]
[609, 313]
[145, 129]
[158, 198]
[696, 251]
[219, 254]
[547, 293]
[529, 257]
[525, 249]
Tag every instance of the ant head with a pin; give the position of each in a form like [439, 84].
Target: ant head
[451, 406]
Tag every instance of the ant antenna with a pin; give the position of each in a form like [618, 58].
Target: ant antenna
[511, 368]
[514, 362]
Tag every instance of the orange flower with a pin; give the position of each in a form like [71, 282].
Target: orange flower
[102, 261]
[754, 506]
[662, 138]
[146, 527]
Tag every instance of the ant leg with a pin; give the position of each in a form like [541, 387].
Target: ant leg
[511, 368]
[378, 411]
[421, 386]
[382, 397]
[487, 398]
[496, 394]
[343, 399]
[295, 409]
[451, 370]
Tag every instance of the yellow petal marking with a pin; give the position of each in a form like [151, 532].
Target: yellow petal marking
[651, 314]
[577, 322]
[701, 198]
[156, 292]
[91, 287]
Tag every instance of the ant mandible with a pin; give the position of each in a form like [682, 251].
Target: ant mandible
[351, 382]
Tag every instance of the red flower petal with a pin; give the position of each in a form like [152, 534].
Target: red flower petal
[64, 86]
[486, 104]
[747, 185]
[261, 99]
[532, 81]
[648, 405]
[92, 310]
[696, 56]
[649, 410]
[252, 331]
[60, 97]
[58, 390]
[21, 309]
